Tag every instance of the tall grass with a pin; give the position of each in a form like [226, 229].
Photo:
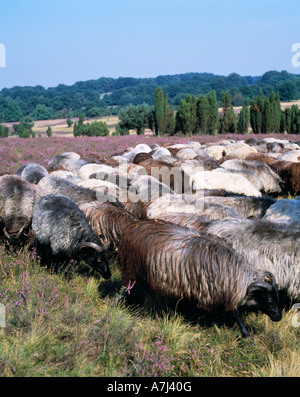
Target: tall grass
[72, 323]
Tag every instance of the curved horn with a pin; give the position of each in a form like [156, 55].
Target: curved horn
[267, 282]
[90, 245]
[20, 232]
[6, 233]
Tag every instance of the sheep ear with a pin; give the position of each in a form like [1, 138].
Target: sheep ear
[90, 245]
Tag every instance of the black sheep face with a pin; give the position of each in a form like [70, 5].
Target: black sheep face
[263, 295]
[98, 260]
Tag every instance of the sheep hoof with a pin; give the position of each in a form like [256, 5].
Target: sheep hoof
[251, 340]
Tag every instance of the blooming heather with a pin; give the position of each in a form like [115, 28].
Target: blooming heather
[15, 152]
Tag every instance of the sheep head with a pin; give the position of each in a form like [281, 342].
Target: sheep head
[263, 295]
[15, 227]
[97, 257]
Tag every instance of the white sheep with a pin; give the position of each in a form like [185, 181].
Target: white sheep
[293, 155]
[269, 180]
[186, 154]
[215, 151]
[183, 203]
[87, 170]
[284, 210]
[233, 183]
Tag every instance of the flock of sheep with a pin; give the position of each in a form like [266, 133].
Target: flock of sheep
[204, 222]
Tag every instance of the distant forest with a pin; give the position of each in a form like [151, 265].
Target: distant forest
[105, 96]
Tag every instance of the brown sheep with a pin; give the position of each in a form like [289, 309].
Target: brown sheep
[190, 220]
[181, 262]
[261, 157]
[107, 221]
[289, 172]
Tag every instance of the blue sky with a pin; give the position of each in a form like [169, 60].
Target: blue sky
[49, 42]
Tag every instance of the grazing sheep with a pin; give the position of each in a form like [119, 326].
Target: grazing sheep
[181, 262]
[88, 169]
[191, 167]
[239, 149]
[270, 181]
[102, 187]
[146, 188]
[91, 158]
[139, 157]
[208, 163]
[56, 185]
[142, 148]
[230, 182]
[62, 232]
[276, 147]
[32, 172]
[132, 152]
[136, 207]
[193, 145]
[250, 176]
[60, 160]
[190, 220]
[259, 144]
[17, 199]
[187, 154]
[74, 165]
[214, 151]
[187, 204]
[261, 157]
[107, 220]
[168, 174]
[289, 172]
[293, 155]
[244, 206]
[269, 246]
[70, 176]
[284, 210]
[160, 152]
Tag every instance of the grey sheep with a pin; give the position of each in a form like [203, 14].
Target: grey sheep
[188, 204]
[62, 232]
[244, 206]
[180, 262]
[32, 172]
[61, 159]
[269, 246]
[53, 184]
[17, 199]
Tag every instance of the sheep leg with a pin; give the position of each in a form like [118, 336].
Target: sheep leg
[244, 330]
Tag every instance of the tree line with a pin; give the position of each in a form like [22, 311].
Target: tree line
[201, 115]
[195, 115]
[108, 96]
